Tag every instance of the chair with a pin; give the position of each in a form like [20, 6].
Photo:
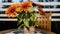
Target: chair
[44, 22]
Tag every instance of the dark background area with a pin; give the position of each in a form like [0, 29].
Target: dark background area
[5, 25]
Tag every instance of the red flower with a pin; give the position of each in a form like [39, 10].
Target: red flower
[41, 10]
[25, 6]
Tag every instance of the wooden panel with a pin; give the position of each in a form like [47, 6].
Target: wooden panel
[45, 22]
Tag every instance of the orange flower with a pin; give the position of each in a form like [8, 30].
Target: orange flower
[41, 10]
[25, 6]
[17, 5]
[11, 11]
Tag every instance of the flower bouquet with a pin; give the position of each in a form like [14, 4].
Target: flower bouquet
[25, 13]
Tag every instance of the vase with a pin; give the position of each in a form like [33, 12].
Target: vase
[30, 31]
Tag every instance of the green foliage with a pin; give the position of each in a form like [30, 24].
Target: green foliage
[19, 21]
[28, 18]
[31, 10]
[26, 23]
[20, 26]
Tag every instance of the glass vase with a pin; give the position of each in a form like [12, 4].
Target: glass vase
[30, 31]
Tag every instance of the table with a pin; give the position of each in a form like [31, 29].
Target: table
[15, 31]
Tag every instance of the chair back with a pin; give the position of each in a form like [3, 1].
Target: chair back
[44, 22]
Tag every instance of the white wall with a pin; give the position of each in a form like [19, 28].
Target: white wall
[0, 1]
[15, 1]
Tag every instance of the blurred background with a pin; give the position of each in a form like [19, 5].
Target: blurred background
[48, 5]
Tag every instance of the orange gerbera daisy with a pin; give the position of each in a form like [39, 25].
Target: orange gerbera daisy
[25, 6]
[11, 11]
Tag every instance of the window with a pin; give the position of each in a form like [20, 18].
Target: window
[9, 0]
[21, 0]
[6, 0]
[45, 0]
[35, 0]
[28, 0]
[58, 0]
[5, 6]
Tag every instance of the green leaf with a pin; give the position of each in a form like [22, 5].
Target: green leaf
[31, 10]
[26, 23]
[40, 13]
[31, 18]
[36, 23]
[19, 21]
[20, 26]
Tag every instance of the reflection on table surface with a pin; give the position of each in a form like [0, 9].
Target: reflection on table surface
[15, 31]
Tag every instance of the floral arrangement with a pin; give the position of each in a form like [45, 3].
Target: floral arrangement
[25, 13]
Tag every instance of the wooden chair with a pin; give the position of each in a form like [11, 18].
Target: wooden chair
[44, 22]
